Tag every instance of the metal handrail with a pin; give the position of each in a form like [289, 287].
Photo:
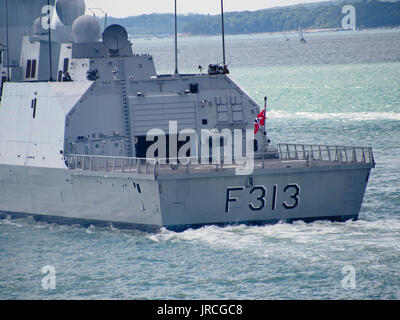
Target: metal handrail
[347, 154]
[285, 151]
[110, 163]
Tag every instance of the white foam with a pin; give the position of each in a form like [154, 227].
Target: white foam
[10, 222]
[284, 239]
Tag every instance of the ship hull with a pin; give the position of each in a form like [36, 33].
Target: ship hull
[267, 196]
[61, 195]
[181, 201]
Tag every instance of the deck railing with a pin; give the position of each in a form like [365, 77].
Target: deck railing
[111, 164]
[325, 153]
[288, 152]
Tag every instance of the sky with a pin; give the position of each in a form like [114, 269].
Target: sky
[125, 8]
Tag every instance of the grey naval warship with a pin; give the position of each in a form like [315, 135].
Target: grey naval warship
[80, 111]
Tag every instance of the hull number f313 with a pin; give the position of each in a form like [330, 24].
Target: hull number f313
[261, 199]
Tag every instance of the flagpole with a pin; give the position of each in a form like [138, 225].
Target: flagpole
[265, 130]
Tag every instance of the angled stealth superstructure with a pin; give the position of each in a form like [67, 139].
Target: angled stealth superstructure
[80, 111]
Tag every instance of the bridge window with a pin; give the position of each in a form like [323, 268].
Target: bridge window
[65, 66]
[30, 69]
[33, 70]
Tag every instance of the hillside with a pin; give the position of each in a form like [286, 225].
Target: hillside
[370, 14]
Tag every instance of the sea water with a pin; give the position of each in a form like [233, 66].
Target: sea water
[340, 88]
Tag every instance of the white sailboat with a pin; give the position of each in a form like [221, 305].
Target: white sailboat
[301, 38]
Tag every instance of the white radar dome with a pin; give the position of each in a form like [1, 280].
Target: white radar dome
[86, 29]
[69, 10]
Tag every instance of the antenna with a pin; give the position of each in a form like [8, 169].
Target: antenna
[49, 22]
[223, 31]
[176, 41]
[265, 138]
[94, 15]
[8, 50]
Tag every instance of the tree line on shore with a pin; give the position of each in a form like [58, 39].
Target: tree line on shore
[369, 13]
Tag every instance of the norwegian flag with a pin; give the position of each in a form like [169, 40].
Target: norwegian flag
[259, 121]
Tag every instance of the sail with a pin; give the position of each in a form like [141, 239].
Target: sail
[300, 33]
[21, 15]
[301, 38]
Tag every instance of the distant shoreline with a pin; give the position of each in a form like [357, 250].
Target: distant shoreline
[185, 35]
[312, 18]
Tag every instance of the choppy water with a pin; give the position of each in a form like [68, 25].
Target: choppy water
[339, 88]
